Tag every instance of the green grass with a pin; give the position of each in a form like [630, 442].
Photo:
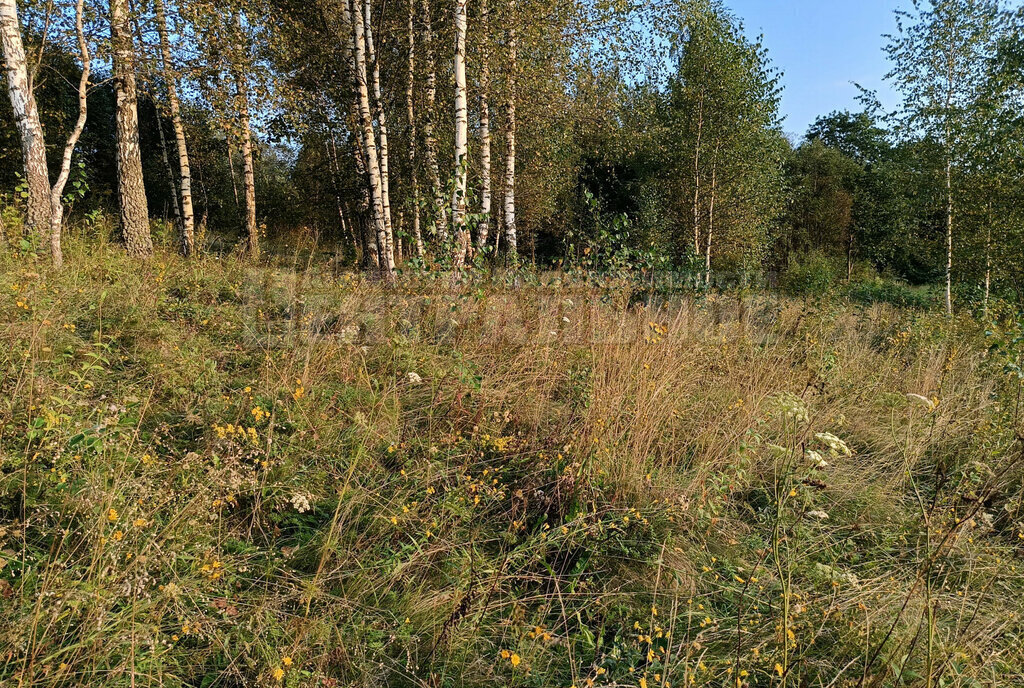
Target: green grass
[220, 474]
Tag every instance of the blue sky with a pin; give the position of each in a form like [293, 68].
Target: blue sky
[822, 46]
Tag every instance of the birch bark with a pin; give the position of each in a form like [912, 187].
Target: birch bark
[458, 204]
[510, 147]
[248, 168]
[184, 166]
[439, 218]
[485, 129]
[387, 263]
[134, 209]
[57, 192]
[26, 117]
[382, 127]
[410, 88]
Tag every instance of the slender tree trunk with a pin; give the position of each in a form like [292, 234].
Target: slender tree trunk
[510, 146]
[439, 219]
[248, 170]
[711, 222]
[364, 212]
[398, 237]
[498, 227]
[461, 140]
[26, 117]
[57, 192]
[387, 263]
[371, 256]
[134, 209]
[348, 225]
[949, 237]
[696, 174]
[410, 87]
[228, 136]
[382, 126]
[201, 225]
[249, 173]
[332, 161]
[988, 259]
[184, 166]
[849, 255]
[175, 210]
[485, 129]
[348, 229]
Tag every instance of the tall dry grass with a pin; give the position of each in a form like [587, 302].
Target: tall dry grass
[222, 474]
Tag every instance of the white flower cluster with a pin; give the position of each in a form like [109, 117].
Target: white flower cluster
[301, 503]
[349, 334]
[793, 407]
[835, 445]
[816, 459]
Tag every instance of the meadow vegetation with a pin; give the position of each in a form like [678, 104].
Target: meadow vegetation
[222, 472]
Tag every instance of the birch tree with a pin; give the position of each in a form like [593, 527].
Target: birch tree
[54, 195]
[26, 117]
[184, 167]
[458, 204]
[483, 229]
[357, 26]
[510, 141]
[238, 66]
[57, 191]
[134, 209]
[438, 220]
[382, 128]
[720, 136]
[939, 55]
[410, 92]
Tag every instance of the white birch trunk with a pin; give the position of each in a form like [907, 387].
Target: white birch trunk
[510, 146]
[371, 256]
[458, 204]
[364, 215]
[248, 168]
[387, 262]
[696, 175]
[26, 117]
[175, 201]
[485, 129]
[184, 167]
[382, 126]
[988, 260]
[410, 87]
[711, 222]
[57, 192]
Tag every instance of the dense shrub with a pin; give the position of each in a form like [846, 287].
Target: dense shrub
[892, 292]
[814, 275]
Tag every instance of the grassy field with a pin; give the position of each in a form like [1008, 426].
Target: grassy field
[220, 474]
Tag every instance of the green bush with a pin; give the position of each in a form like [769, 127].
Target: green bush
[892, 292]
[812, 276]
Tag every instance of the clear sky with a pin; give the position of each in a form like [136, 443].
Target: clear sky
[822, 46]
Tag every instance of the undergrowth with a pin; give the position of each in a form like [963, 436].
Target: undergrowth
[220, 474]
